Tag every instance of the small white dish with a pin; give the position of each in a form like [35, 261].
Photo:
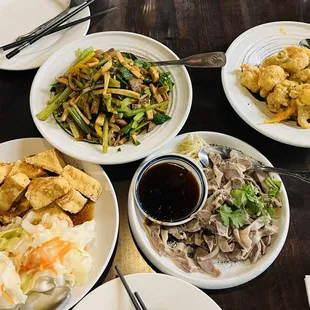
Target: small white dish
[139, 45]
[18, 17]
[158, 292]
[106, 208]
[252, 47]
[184, 162]
[233, 274]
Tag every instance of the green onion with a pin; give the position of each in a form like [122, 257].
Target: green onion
[125, 103]
[114, 83]
[84, 54]
[53, 99]
[75, 115]
[130, 113]
[45, 113]
[105, 136]
[107, 102]
[74, 129]
[77, 82]
[102, 62]
[139, 127]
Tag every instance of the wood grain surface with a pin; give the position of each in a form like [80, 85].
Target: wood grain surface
[190, 27]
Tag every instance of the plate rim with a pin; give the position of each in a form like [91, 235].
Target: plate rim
[88, 286]
[31, 67]
[277, 137]
[123, 160]
[153, 274]
[154, 257]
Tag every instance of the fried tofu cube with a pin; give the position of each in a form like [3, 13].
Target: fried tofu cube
[72, 202]
[12, 189]
[43, 191]
[5, 169]
[30, 171]
[49, 160]
[17, 210]
[82, 182]
[52, 209]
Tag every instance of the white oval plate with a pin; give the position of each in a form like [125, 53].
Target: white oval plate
[161, 292]
[125, 41]
[18, 17]
[233, 274]
[253, 46]
[106, 208]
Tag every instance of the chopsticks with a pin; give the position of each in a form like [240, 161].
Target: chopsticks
[43, 33]
[59, 28]
[135, 298]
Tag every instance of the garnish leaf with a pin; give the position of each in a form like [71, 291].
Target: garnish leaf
[232, 218]
[239, 198]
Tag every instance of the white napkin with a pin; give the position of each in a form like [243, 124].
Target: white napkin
[307, 281]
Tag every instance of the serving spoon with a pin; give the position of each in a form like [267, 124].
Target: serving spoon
[305, 43]
[205, 60]
[225, 151]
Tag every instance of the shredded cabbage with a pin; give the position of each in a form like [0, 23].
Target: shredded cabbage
[49, 252]
[191, 146]
[10, 291]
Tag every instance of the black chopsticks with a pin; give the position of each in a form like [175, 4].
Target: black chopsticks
[59, 28]
[45, 31]
[135, 298]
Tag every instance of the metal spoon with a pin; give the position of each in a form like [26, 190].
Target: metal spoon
[73, 3]
[225, 151]
[205, 60]
[305, 43]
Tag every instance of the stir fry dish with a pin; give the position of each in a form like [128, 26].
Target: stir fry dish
[237, 223]
[46, 222]
[283, 80]
[109, 98]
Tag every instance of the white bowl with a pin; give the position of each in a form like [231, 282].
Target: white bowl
[253, 46]
[182, 161]
[139, 45]
[106, 208]
[233, 274]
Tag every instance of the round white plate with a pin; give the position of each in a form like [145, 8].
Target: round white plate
[106, 209]
[18, 17]
[253, 46]
[125, 41]
[233, 274]
[158, 292]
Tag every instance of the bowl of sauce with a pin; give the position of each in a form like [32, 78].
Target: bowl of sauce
[170, 189]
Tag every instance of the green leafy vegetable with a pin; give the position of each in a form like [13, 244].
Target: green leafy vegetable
[124, 72]
[161, 118]
[271, 211]
[266, 217]
[273, 187]
[232, 218]
[239, 198]
[142, 64]
[165, 79]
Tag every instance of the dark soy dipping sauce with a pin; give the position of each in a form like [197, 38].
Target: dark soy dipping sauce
[168, 192]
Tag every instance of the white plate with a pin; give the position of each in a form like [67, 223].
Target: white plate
[106, 209]
[125, 41]
[233, 274]
[18, 17]
[253, 46]
[158, 292]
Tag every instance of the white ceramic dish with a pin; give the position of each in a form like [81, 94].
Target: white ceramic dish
[106, 208]
[253, 46]
[162, 292]
[125, 41]
[18, 17]
[233, 274]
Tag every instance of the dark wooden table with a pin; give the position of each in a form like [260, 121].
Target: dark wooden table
[190, 27]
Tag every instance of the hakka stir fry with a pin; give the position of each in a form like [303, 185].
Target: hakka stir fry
[284, 80]
[109, 98]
